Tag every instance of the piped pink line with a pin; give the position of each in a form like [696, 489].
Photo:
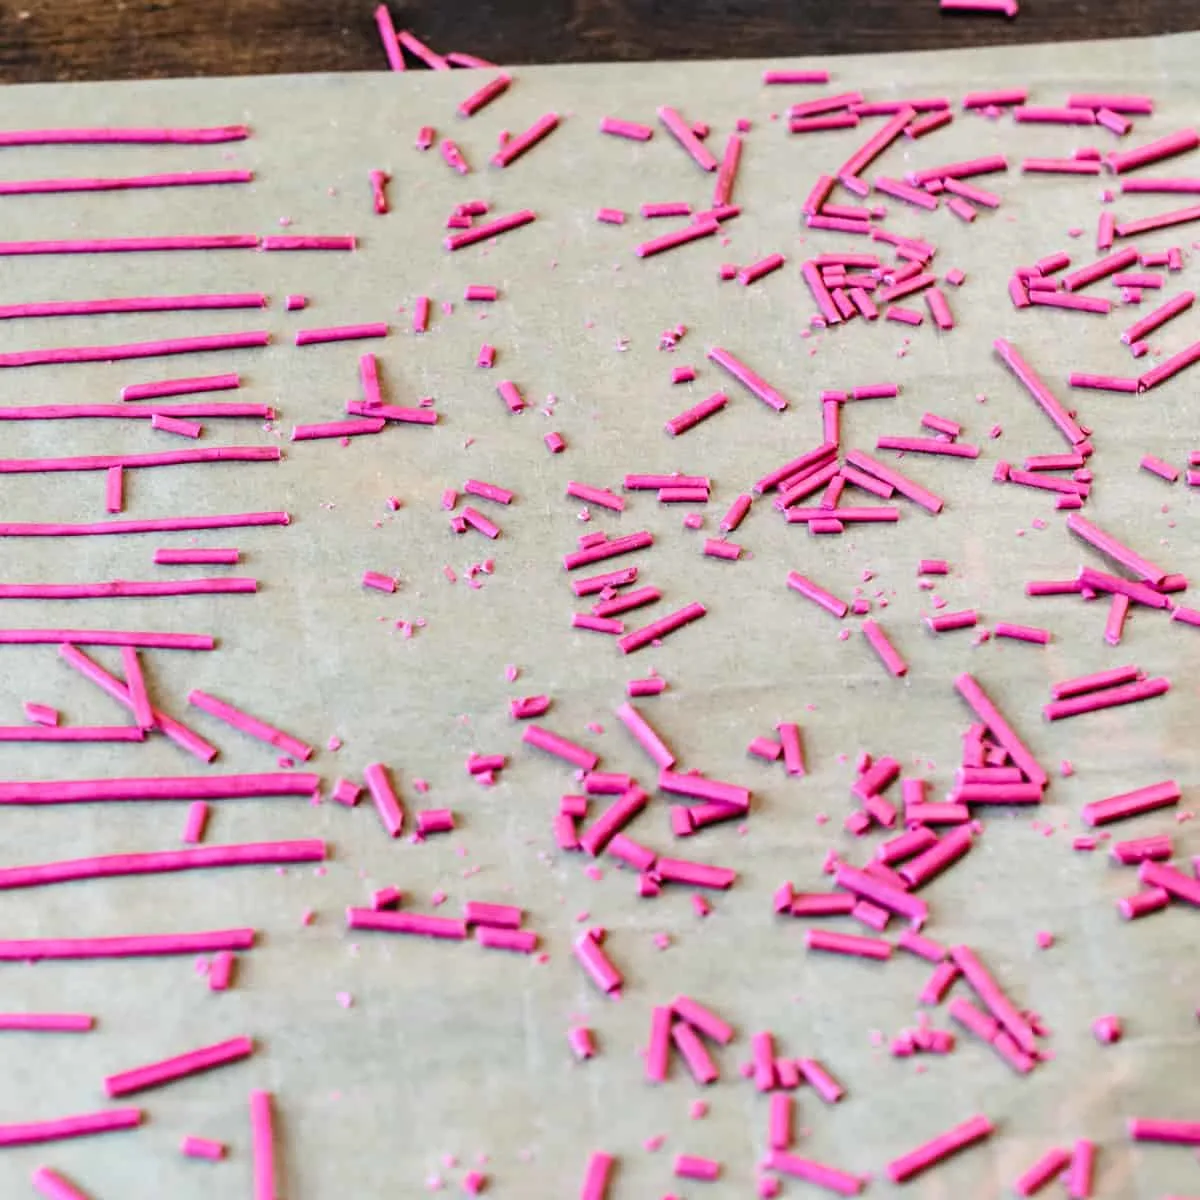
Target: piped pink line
[134, 304]
[168, 346]
[135, 946]
[122, 587]
[340, 333]
[168, 458]
[202, 136]
[748, 378]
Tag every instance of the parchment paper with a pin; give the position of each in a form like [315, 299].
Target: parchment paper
[449, 1049]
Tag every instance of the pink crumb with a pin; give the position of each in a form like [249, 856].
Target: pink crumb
[1045, 939]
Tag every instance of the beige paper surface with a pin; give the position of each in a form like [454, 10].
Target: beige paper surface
[450, 1049]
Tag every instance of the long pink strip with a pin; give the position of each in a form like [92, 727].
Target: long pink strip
[262, 1145]
[1159, 317]
[168, 346]
[180, 734]
[161, 525]
[748, 378]
[124, 587]
[47, 1022]
[247, 854]
[135, 946]
[39, 187]
[106, 637]
[131, 412]
[107, 1121]
[134, 304]
[168, 787]
[235, 241]
[201, 136]
[167, 458]
[180, 1067]
[250, 725]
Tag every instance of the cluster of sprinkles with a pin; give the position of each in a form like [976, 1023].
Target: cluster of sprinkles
[896, 838]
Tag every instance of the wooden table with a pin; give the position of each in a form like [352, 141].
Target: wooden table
[128, 39]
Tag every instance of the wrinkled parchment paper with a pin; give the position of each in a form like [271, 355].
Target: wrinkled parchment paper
[450, 1049]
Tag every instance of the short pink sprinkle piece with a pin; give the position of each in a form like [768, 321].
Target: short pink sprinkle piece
[387, 803]
[832, 1179]
[626, 129]
[197, 818]
[596, 1177]
[882, 645]
[699, 412]
[1047, 1168]
[848, 944]
[47, 1022]
[597, 964]
[53, 1186]
[198, 1147]
[690, 1166]
[748, 378]
[416, 924]
[1021, 633]
[560, 747]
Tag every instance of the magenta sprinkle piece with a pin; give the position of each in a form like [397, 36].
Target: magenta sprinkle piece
[847, 943]
[881, 644]
[418, 924]
[626, 129]
[1179, 1133]
[484, 95]
[517, 145]
[1047, 1168]
[1021, 633]
[340, 333]
[830, 1178]
[970, 1132]
[327, 430]
[596, 1177]
[1040, 392]
[481, 233]
[137, 946]
[817, 594]
[387, 803]
[198, 1147]
[597, 964]
[560, 747]
[748, 378]
[689, 1166]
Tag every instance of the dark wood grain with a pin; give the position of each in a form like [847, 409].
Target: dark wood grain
[129, 39]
